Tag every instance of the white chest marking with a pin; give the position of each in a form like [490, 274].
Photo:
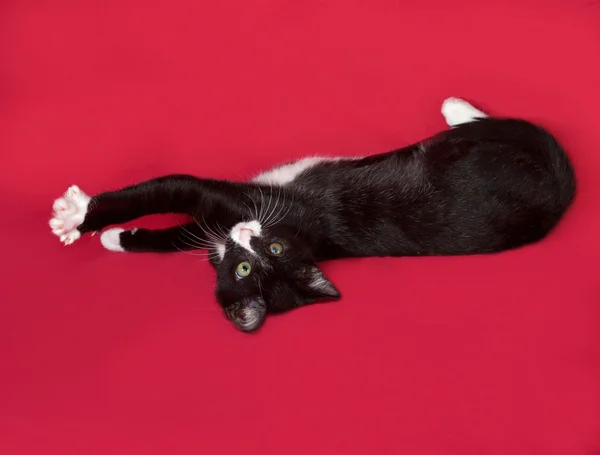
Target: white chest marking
[282, 175]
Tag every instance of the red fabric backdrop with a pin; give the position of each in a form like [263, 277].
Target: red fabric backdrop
[105, 353]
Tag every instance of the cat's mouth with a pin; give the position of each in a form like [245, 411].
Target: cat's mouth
[247, 315]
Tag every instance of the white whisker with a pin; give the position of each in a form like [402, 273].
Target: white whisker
[195, 246]
[225, 234]
[276, 216]
[208, 235]
[282, 217]
[255, 206]
[274, 206]
[249, 210]
[206, 255]
[268, 206]
[262, 205]
[192, 234]
[216, 236]
[197, 241]
[260, 289]
[194, 238]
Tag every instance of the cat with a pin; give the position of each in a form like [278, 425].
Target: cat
[485, 185]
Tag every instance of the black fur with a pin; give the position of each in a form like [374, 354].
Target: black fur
[482, 187]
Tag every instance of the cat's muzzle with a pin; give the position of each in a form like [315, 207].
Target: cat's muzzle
[247, 315]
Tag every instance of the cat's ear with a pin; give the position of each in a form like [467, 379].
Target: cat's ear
[316, 284]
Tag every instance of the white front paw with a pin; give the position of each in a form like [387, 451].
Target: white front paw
[69, 213]
[111, 239]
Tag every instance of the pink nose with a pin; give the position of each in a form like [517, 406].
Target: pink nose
[246, 231]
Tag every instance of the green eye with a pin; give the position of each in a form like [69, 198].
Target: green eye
[275, 248]
[243, 270]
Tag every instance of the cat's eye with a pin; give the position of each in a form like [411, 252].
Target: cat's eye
[275, 248]
[243, 270]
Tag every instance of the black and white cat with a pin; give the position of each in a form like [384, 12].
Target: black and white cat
[484, 186]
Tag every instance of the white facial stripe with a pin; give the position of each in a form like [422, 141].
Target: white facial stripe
[241, 234]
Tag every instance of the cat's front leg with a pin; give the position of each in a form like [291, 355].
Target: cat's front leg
[220, 202]
[76, 213]
[69, 212]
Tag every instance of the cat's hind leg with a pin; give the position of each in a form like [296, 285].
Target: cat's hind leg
[457, 112]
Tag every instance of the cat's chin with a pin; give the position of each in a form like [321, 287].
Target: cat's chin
[247, 315]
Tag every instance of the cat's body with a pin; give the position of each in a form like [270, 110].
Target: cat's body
[484, 186]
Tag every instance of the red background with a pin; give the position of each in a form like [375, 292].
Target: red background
[108, 353]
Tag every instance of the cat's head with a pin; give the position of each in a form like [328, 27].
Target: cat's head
[267, 270]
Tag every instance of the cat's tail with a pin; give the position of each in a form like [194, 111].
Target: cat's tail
[560, 168]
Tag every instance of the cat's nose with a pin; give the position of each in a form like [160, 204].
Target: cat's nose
[241, 233]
